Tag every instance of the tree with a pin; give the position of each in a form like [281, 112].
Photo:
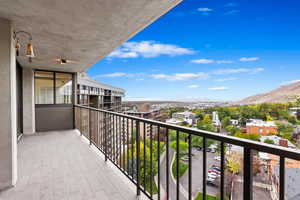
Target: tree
[183, 146]
[269, 118]
[231, 130]
[207, 119]
[269, 141]
[233, 165]
[226, 121]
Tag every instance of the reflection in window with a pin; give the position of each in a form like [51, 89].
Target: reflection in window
[44, 86]
[63, 83]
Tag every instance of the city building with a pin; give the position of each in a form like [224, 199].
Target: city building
[261, 127]
[278, 141]
[215, 119]
[98, 95]
[145, 111]
[182, 117]
[234, 122]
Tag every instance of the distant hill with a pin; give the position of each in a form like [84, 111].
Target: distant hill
[285, 93]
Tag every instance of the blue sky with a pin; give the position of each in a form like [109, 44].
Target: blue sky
[215, 49]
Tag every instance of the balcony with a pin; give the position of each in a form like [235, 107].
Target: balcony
[134, 150]
[60, 165]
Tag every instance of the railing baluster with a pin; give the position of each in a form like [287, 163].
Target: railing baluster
[177, 165]
[114, 138]
[144, 156]
[167, 162]
[127, 144]
[247, 174]
[158, 162]
[105, 136]
[222, 169]
[138, 192]
[204, 168]
[120, 142]
[90, 126]
[132, 146]
[190, 167]
[282, 178]
[151, 162]
[123, 142]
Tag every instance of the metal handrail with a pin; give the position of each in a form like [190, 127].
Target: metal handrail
[268, 148]
[114, 124]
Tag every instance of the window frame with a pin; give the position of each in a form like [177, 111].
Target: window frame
[54, 88]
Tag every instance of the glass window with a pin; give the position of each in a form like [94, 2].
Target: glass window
[63, 84]
[44, 87]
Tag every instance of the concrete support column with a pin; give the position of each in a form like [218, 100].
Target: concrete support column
[28, 102]
[8, 117]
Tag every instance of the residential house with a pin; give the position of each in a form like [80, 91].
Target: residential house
[261, 127]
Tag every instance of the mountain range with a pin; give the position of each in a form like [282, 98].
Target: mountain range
[284, 93]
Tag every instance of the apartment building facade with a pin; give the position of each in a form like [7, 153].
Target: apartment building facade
[98, 95]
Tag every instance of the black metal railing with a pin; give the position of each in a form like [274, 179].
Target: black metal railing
[146, 151]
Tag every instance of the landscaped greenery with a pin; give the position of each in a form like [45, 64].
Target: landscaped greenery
[208, 197]
[182, 167]
[145, 167]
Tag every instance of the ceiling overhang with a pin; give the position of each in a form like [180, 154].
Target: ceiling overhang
[84, 31]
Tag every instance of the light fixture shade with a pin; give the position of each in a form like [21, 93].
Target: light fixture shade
[29, 51]
[18, 46]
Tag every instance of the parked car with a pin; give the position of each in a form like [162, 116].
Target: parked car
[211, 183]
[214, 171]
[199, 148]
[212, 175]
[216, 168]
[218, 158]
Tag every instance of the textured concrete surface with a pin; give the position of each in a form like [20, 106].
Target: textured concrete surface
[28, 102]
[8, 118]
[61, 165]
[84, 31]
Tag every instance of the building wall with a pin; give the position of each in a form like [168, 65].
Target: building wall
[8, 108]
[262, 130]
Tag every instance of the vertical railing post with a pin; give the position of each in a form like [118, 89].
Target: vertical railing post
[204, 169]
[222, 169]
[190, 167]
[105, 135]
[247, 174]
[282, 178]
[138, 192]
[90, 126]
[167, 161]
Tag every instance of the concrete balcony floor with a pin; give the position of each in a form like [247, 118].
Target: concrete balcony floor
[60, 165]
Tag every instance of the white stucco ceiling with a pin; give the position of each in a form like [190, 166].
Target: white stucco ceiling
[80, 30]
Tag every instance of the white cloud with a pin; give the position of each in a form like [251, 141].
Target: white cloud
[224, 61]
[118, 74]
[232, 12]
[225, 79]
[148, 49]
[238, 70]
[203, 61]
[289, 82]
[231, 4]
[193, 86]
[181, 76]
[112, 75]
[205, 9]
[248, 59]
[209, 61]
[221, 88]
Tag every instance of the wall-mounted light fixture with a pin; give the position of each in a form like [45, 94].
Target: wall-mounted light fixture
[29, 50]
